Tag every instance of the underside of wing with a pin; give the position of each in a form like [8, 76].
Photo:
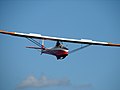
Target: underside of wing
[38, 36]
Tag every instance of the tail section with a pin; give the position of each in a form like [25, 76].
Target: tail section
[41, 46]
[37, 48]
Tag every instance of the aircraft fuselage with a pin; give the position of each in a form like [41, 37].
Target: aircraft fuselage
[60, 53]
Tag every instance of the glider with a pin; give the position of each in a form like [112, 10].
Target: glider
[59, 50]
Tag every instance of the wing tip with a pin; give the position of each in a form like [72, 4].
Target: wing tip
[5, 32]
[112, 44]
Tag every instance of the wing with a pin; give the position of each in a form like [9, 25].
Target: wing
[38, 36]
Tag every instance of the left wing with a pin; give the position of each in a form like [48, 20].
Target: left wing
[38, 36]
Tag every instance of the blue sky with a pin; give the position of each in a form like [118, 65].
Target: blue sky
[94, 68]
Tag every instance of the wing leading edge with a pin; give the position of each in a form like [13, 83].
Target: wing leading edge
[38, 36]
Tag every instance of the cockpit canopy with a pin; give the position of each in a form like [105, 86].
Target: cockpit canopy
[60, 45]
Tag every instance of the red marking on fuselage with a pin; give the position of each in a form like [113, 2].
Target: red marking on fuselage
[56, 52]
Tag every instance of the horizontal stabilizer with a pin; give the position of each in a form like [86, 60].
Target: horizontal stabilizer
[32, 47]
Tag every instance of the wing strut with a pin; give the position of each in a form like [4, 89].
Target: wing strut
[82, 47]
[35, 42]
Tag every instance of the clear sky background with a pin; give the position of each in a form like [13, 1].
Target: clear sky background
[93, 68]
